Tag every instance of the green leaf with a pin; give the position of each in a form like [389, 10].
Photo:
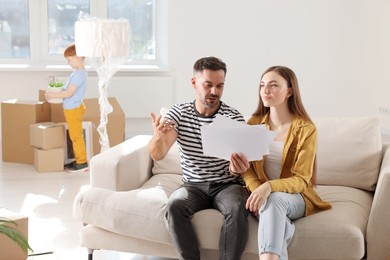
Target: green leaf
[56, 84]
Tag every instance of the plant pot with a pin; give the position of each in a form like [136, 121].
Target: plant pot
[55, 89]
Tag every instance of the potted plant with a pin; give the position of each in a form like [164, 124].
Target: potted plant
[55, 86]
[6, 228]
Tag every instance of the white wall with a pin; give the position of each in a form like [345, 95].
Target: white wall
[331, 45]
[381, 66]
[338, 49]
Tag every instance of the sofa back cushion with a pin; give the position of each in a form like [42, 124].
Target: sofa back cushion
[170, 163]
[348, 152]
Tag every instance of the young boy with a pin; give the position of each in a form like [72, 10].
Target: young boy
[74, 91]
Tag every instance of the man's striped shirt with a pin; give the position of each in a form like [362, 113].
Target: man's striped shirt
[196, 166]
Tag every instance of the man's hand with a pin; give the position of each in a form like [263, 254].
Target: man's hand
[238, 163]
[161, 126]
[164, 136]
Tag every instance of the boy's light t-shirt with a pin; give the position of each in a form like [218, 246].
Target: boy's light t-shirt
[79, 79]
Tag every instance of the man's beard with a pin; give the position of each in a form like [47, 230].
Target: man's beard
[211, 104]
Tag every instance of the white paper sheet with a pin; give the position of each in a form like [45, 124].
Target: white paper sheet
[226, 136]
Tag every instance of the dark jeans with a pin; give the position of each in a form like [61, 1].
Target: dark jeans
[229, 199]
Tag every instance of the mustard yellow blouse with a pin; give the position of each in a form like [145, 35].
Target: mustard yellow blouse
[298, 158]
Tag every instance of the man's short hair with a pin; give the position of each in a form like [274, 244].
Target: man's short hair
[209, 63]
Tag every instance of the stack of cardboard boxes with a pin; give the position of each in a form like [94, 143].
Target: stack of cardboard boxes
[34, 132]
[48, 140]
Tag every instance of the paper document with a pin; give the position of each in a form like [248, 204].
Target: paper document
[226, 136]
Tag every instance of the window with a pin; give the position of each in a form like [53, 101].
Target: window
[61, 16]
[14, 29]
[51, 23]
[141, 15]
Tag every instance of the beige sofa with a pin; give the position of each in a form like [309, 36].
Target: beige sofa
[124, 208]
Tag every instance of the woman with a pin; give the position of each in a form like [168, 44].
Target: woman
[281, 184]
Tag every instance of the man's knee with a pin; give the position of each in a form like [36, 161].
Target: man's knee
[172, 206]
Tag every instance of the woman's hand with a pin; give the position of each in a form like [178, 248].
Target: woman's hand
[258, 197]
[238, 164]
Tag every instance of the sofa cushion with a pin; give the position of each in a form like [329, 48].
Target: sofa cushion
[170, 163]
[337, 233]
[349, 152]
[137, 213]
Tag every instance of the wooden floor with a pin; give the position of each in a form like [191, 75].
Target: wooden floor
[47, 198]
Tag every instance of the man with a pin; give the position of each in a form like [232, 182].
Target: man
[208, 182]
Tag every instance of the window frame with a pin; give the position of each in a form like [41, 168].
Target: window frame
[39, 57]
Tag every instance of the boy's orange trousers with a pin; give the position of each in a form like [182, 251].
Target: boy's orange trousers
[74, 118]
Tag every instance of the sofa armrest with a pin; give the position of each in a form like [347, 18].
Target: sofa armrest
[378, 228]
[123, 167]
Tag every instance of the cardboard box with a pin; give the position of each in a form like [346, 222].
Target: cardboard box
[49, 160]
[8, 248]
[16, 118]
[47, 135]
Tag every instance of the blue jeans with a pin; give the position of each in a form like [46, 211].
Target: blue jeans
[276, 228]
[229, 199]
